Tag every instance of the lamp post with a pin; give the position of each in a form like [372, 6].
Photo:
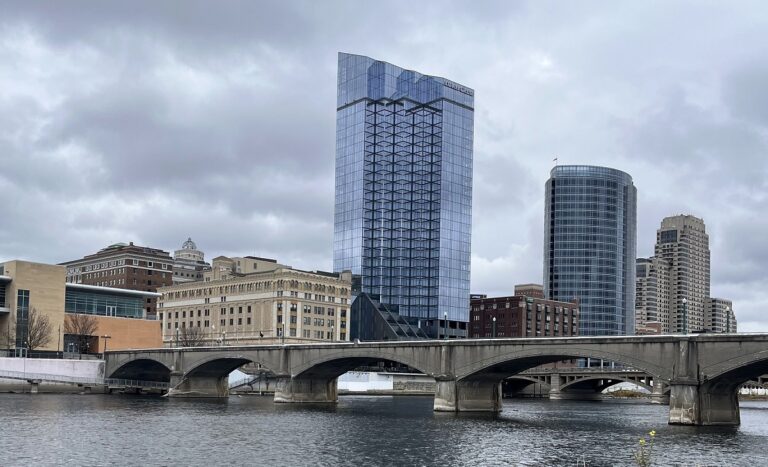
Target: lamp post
[494, 327]
[728, 319]
[105, 337]
[445, 322]
[685, 316]
[333, 335]
[223, 338]
[282, 335]
[177, 336]
[213, 334]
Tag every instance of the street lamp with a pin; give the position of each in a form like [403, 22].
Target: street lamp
[333, 335]
[282, 335]
[728, 319]
[105, 337]
[494, 327]
[445, 322]
[685, 316]
[177, 336]
[223, 338]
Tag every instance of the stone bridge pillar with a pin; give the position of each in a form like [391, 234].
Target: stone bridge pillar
[555, 383]
[692, 402]
[467, 396]
[657, 393]
[295, 390]
[199, 386]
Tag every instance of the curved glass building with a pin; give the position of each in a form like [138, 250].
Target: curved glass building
[590, 245]
[404, 189]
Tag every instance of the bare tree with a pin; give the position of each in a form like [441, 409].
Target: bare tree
[191, 337]
[38, 330]
[9, 333]
[82, 327]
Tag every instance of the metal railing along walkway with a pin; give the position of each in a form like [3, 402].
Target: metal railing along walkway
[135, 383]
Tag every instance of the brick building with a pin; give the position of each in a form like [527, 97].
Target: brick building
[125, 266]
[522, 316]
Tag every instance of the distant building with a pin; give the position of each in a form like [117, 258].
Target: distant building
[251, 300]
[403, 209]
[522, 316]
[682, 241]
[530, 290]
[719, 316]
[124, 266]
[119, 313]
[189, 263]
[652, 296]
[590, 245]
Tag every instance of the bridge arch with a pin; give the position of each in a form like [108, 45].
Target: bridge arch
[333, 365]
[506, 364]
[602, 383]
[221, 365]
[142, 369]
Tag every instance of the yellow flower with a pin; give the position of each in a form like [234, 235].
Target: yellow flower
[642, 442]
[652, 433]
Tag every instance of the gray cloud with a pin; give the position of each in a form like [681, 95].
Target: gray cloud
[153, 121]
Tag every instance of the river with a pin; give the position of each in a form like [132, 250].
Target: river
[359, 431]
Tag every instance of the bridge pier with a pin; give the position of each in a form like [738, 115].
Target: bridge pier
[306, 390]
[198, 386]
[657, 393]
[467, 396]
[693, 404]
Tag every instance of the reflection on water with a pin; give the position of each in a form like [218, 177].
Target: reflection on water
[249, 430]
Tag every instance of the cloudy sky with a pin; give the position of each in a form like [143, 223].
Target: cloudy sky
[153, 121]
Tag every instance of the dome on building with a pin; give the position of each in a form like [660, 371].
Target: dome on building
[189, 245]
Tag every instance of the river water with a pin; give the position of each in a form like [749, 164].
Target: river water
[359, 431]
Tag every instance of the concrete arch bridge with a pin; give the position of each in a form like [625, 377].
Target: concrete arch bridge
[703, 372]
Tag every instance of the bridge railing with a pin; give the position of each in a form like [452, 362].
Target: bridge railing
[24, 375]
[136, 383]
[538, 371]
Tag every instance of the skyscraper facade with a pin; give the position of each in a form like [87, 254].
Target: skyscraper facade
[652, 293]
[590, 245]
[404, 189]
[682, 241]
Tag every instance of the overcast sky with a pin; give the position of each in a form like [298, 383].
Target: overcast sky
[154, 121]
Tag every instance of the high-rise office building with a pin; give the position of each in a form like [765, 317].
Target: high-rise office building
[590, 244]
[652, 294]
[404, 190]
[682, 241]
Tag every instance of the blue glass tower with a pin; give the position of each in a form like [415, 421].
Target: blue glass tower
[589, 246]
[404, 189]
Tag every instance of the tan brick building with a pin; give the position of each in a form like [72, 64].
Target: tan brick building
[253, 300]
[119, 314]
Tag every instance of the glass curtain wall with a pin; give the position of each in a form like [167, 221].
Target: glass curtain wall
[590, 244]
[404, 187]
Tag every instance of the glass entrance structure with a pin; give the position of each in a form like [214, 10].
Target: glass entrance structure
[404, 189]
[589, 246]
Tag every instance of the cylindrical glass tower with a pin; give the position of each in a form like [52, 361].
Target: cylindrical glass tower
[590, 246]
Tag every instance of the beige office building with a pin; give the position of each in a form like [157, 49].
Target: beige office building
[682, 241]
[253, 300]
[652, 296]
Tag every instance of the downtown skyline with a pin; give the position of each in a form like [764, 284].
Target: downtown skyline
[140, 133]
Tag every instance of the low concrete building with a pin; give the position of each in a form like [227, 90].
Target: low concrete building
[253, 300]
[41, 289]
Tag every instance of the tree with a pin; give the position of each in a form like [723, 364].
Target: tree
[82, 327]
[191, 337]
[39, 330]
[9, 333]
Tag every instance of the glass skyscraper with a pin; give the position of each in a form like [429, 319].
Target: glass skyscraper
[589, 246]
[404, 189]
